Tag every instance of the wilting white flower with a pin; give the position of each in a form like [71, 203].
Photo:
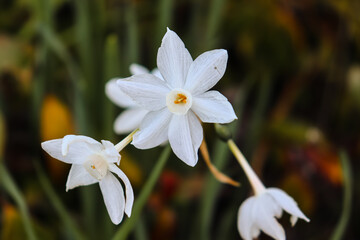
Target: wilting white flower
[259, 212]
[94, 162]
[130, 118]
[178, 102]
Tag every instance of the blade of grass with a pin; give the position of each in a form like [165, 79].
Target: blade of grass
[213, 22]
[140, 202]
[340, 229]
[166, 10]
[67, 220]
[132, 33]
[11, 188]
[257, 118]
[140, 230]
[112, 70]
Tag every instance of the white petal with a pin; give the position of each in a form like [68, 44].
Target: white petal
[53, 148]
[147, 90]
[78, 176]
[245, 222]
[129, 120]
[114, 93]
[153, 129]
[157, 73]
[206, 71]
[113, 195]
[128, 189]
[76, 151]
[185, 136]
[287, 203]
[138, 69]
[213, 107]
[110, 153]
[173, 60]
[265, 211]
[79, 144]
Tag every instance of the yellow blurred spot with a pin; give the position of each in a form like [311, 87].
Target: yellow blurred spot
[56, 119]
[56, 122]
[12, 226]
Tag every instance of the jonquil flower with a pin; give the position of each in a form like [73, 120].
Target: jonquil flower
[94, 162]
[258, 212]
[130, 118]
[176, 103]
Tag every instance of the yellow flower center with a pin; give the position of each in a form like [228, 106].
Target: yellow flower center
[179, 101]
[181, 98]
[96, 166]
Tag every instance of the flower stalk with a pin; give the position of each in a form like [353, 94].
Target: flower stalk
[254, 180]
[123, 143]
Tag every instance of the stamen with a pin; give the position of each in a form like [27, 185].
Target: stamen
[93, 166]
[181, 98]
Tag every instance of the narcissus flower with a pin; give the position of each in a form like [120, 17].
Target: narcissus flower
[258, 213]
[178, 103]
[94, 162]
[130, 118]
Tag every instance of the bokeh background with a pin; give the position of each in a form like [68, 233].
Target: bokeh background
[293, 77]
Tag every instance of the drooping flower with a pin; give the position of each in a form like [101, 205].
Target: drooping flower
[130, 118]
[258, 213]
[94, 162]
[178, 102]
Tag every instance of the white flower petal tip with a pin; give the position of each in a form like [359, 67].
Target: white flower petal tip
[206, 71]
[259, 213]
[213, 107]
[93, 162]
[146, 90]
[118, 97]
[138, 69]
[128, 189]
[129, 120]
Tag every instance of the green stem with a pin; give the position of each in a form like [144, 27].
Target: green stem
[129, 225]
[213, 21]
[166, 9]
[339, 231]
[132, 33]
[57, 204]
[12, 189]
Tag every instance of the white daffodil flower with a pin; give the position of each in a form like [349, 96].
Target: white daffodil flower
[258, 212]
[94, 162]
[130, 118]
[178, 102]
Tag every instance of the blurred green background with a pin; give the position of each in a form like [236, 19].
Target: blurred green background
[293, 77]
